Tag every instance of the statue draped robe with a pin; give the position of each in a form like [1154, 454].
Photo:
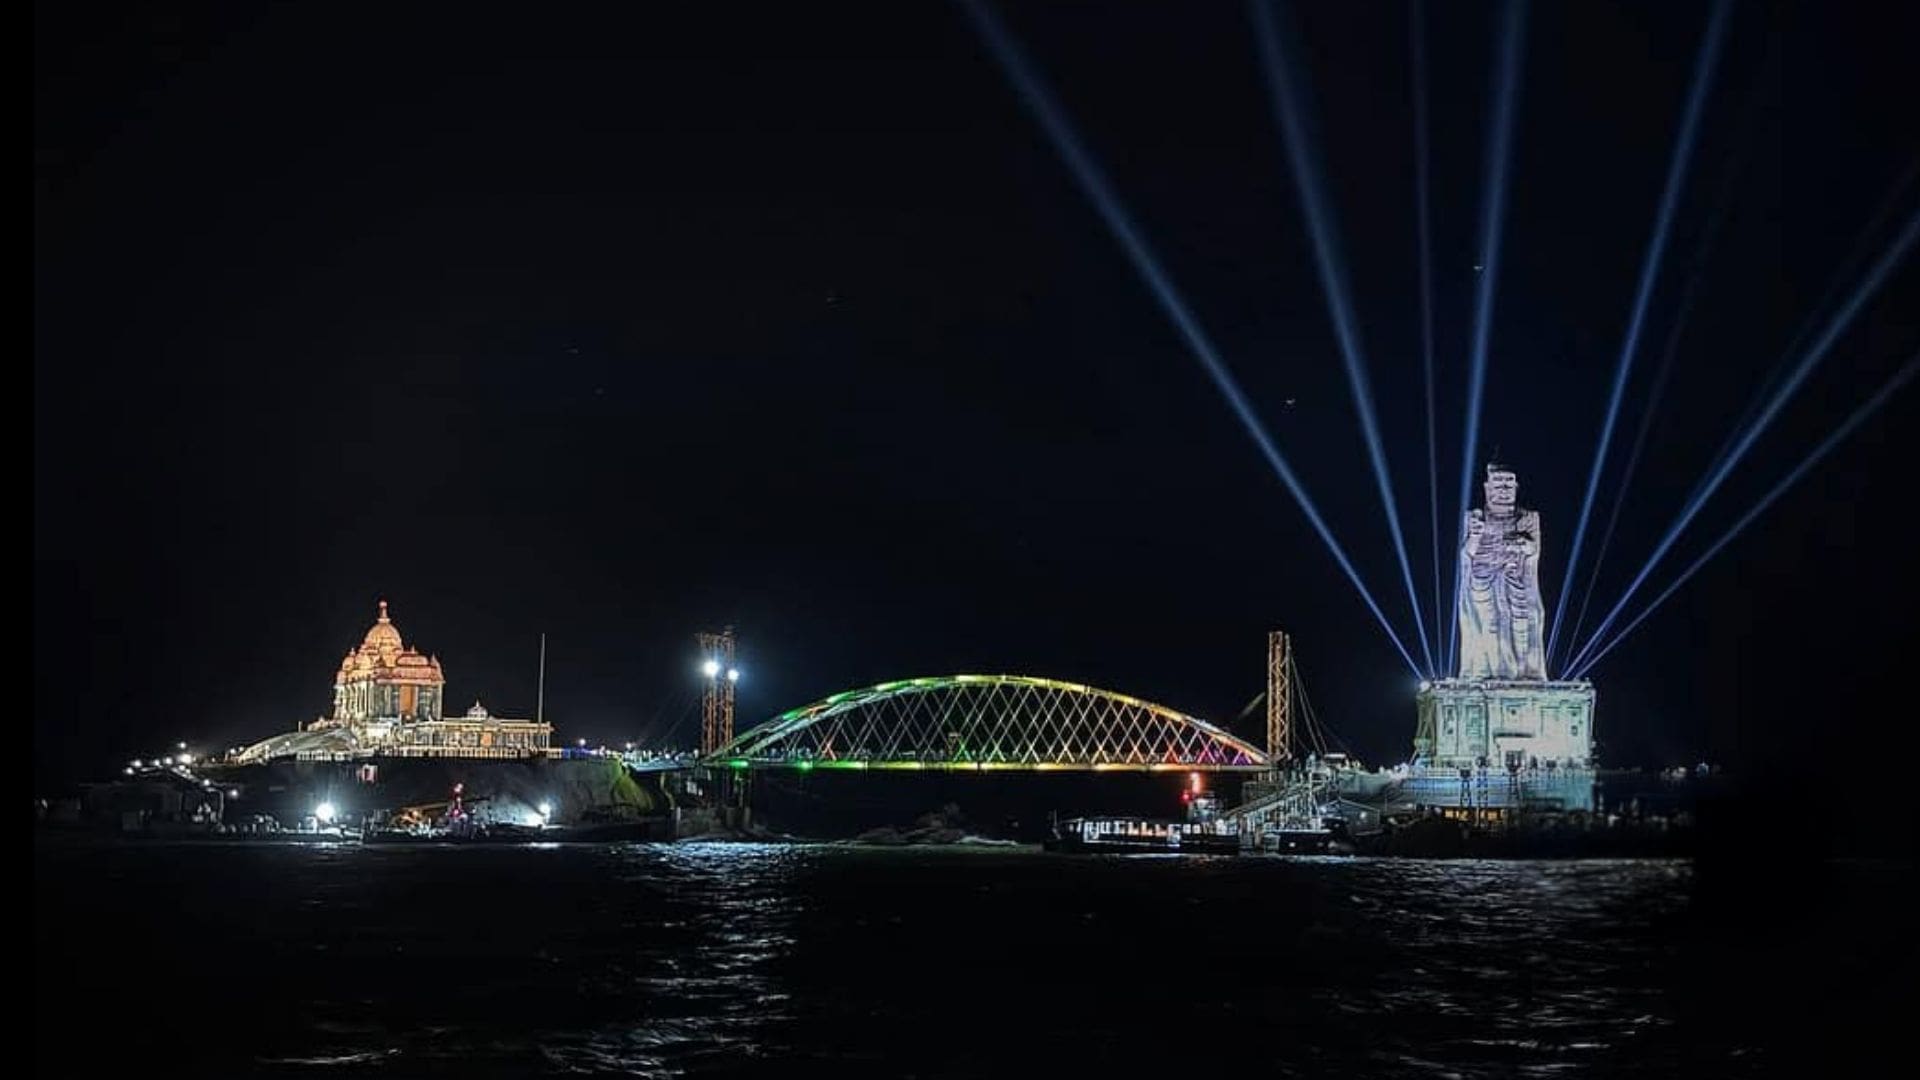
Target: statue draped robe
[1501, 613]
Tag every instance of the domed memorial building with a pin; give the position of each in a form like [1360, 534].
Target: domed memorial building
[385, 679]
[388, 699]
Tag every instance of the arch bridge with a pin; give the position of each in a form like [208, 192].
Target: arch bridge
[989, 723]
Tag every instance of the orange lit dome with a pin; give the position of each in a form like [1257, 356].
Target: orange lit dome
[384, 637]
[385, 658]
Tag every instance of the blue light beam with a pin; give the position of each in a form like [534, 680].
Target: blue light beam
[1059, 130]
[1791, 383]
[1862, 246]
[1493, 213]
[1859, 416]
[1655, 394]
[1669, 352]
[1329, 261]
[1703, 70]
[1423, 217]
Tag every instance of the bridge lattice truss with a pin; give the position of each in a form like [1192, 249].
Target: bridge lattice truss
[989, 722]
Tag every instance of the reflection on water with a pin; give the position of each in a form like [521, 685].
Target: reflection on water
[714, 959]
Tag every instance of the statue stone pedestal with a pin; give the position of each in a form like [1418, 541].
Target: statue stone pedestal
[1498, 723]
[1497, 742]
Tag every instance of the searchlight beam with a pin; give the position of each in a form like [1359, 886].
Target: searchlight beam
[1859, 416]
[1093, 182]
[1316, 208]
[1703, 71]
[1492, 221]
[1902, 244]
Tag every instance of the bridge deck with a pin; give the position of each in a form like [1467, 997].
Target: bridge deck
[992, 766]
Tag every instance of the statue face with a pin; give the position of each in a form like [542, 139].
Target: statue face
[1502, 488]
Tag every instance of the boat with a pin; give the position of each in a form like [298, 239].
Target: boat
[458, 819]
[1131, 835]
[1296, 841]
[500, 833]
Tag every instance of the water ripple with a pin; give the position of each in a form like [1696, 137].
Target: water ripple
[739, 959]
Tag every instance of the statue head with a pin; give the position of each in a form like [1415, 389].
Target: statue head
[1502, 488]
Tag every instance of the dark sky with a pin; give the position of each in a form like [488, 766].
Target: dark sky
[619, 324]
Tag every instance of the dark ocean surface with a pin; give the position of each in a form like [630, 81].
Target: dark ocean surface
[739, 959]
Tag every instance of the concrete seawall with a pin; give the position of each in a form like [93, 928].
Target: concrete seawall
[577, 790]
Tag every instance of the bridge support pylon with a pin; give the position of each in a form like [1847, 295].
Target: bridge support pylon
[1279, 702]
[716, 703]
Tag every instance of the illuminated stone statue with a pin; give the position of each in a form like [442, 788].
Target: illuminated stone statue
[1502, 614]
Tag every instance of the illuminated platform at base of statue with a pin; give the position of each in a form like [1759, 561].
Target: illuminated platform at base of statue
[1500, 743]
[1501, 723]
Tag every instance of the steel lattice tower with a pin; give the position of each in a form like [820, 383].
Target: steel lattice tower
[716, 703]
[1279, 699]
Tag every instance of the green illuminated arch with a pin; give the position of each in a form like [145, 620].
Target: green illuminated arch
[989, 722]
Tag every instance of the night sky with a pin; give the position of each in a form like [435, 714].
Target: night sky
[621, 324]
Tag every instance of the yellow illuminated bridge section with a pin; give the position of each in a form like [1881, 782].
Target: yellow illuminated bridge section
[989, 723]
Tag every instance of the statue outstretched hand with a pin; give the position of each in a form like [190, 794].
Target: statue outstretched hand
[1476, 527]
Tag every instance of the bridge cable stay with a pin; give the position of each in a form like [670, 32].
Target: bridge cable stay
[1323, 736]
[1294, 705]
[1320, 736]
[1316, 734]
[1330, 739]
[680, 709]
[1291, 801]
